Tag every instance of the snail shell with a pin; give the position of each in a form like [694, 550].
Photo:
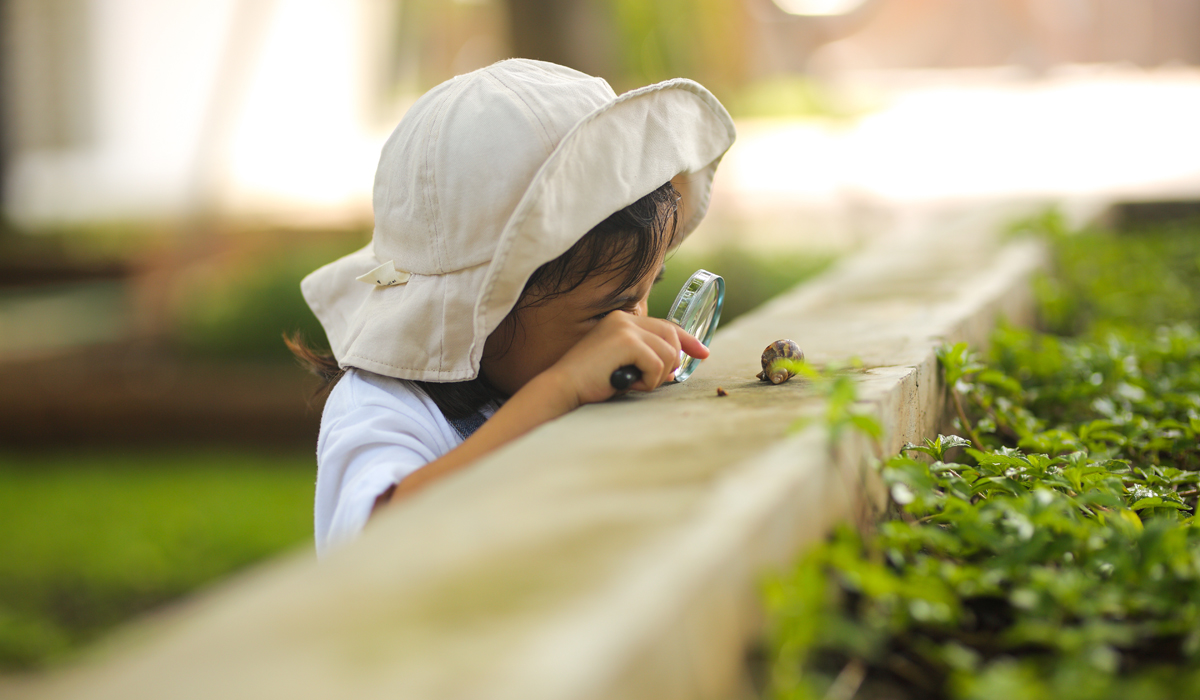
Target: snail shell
[773, 369]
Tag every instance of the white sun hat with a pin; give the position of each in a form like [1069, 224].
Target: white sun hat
[487, 177]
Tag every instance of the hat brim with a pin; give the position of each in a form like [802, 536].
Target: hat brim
[674, 130]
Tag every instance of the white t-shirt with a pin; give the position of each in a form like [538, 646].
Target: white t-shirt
[375, 431]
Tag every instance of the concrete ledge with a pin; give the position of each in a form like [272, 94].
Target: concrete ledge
[613, 553]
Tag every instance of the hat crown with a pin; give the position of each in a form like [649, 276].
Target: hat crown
[488, 176]
[454, 169]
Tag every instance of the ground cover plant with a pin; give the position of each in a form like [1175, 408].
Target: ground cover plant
[94, 538]
[1049, 549]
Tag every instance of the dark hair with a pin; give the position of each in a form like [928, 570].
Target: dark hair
[626, 245]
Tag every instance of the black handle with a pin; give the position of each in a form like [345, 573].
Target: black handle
[623, 377]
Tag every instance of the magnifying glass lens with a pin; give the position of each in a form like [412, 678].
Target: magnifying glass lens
[697, 310]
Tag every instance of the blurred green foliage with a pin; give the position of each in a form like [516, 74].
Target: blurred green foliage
[751, 277]
[91, 540]
[784, 96]
[1108, 280]
[242, 311]
[1055, 552]
[630, 43]
[703, 40]
[664, 39]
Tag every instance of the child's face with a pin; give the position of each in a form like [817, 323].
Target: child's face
[545, 331]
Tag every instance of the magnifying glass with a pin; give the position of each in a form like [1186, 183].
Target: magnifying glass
[697, 310]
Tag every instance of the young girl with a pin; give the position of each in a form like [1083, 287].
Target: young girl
[500, 290]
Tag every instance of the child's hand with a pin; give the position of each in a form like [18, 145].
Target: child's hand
[619, 339]
[580, 376]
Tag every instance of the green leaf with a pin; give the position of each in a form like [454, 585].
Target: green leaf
[1157, 502]
[868, 425]
[1131, 518]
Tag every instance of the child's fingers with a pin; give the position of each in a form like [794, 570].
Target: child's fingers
[651, 364]
[676, 340]
[689, 344]
[668, 356]
[681, 339]
[653, 345]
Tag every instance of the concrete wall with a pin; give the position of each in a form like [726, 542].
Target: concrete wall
[616, 552]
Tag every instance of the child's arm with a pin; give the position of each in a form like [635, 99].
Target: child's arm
[580, 376]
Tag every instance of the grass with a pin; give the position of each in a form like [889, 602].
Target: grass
[92, 540]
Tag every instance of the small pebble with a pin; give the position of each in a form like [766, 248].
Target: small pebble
[722, 392]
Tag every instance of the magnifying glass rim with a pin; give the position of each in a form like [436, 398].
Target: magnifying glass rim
[689, 302]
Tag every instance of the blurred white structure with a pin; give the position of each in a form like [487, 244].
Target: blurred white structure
[1078, 137]
[818, 8]
[145, 109]
[136, 109]
[1109, 133]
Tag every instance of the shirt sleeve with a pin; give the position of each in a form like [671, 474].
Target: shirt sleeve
[374, 432]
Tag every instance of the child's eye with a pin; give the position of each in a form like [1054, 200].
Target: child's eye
[631, 308]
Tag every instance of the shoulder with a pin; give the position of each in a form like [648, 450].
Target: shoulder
[367, 408]
[362, 395]
[375, 430]
[359, 388]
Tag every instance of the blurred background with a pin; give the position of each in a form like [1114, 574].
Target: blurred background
[170, 170]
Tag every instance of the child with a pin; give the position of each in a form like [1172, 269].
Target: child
[500, 290]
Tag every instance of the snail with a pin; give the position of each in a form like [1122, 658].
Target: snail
[776, 360]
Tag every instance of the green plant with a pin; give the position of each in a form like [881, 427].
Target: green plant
[842, 413]
[1052, 554]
